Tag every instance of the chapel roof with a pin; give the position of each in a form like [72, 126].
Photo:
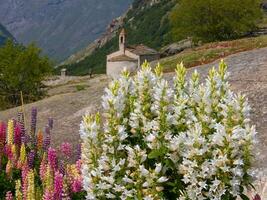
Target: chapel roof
[141, 50]
[122, 57]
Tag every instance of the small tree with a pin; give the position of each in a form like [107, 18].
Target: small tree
[211, 20]
[22, 69]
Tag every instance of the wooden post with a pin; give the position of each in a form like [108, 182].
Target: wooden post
[22, 107]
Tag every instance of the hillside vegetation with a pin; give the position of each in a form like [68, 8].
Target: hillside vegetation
[212, 51]
[22, 69]
[159, 23]
[146, 23]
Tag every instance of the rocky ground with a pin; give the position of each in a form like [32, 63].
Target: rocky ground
[71, 98]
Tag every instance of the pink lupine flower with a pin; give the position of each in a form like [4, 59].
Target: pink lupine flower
[8, 151]
[48, 195]
[17, 134]
[257, 197]
[66, 149]
[58, 185]
[52, 157]
[9, 196]
[2, 136]
[43, 168]
[79, 165]
[2, 141]
[8, 168]
[76, 185]
[24, 175]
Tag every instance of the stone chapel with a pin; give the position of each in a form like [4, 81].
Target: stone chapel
[129, 57]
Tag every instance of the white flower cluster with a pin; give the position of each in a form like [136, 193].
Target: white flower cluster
[190, 141]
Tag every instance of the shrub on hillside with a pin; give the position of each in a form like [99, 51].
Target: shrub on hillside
[188, 141]
[21, 69]
[212, 20]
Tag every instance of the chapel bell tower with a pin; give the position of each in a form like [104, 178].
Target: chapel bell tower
[122, 40]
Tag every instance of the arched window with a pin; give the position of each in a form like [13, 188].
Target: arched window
[121, 39]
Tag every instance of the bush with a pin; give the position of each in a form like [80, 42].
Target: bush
[187, 141]
[22, 69]
[212, 20]
[31, 169]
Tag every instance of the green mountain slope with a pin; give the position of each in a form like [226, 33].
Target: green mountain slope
[4, 35]
[146, 22]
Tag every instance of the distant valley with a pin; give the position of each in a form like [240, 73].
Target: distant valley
[59, 27]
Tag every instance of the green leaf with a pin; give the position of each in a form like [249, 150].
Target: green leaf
[157, 153]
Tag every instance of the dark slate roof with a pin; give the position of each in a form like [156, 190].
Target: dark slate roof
[141, 50]
[121, 58]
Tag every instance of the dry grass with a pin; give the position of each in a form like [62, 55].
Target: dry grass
[212, 51]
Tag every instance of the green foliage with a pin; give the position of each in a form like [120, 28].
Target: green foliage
[80, 87]
[212, 20]
[6, 183]
[149, 26]
[22, 69]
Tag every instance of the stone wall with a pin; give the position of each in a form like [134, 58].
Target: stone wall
[114, 68]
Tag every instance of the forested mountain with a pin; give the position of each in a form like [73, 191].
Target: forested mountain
[59, 27]
[146, 22]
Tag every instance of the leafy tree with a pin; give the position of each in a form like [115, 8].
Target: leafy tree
[212, 20]
[22, 69]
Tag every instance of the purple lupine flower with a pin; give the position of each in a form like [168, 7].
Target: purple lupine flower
[66, 149]
[17, 134]
[61, 167]
[50, 123]
[31, 156]
[23, 139]
[33, 121]
[46, 143]
[21, 122]
[52, 157]
[58, 185]
[47, 130]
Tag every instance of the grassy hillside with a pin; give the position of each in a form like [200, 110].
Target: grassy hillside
[211, 52]
[146, 23]
[4, 34]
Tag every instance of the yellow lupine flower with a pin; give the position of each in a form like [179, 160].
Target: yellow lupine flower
[22, 158]
[8, 168]
[31, 186]
[48, 179]
[14, 152]
[18, 190]
[10, 132]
